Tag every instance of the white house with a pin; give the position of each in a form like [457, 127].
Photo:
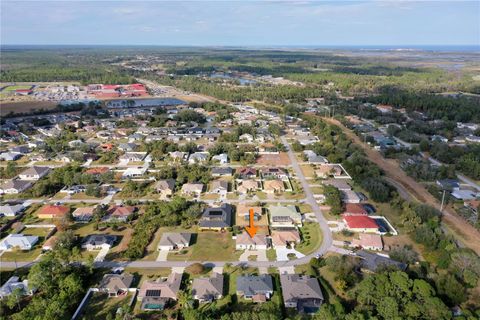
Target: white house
[34, 173]
[221, 158]
[18, 241]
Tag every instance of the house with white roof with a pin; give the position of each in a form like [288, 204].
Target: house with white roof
[20, 241]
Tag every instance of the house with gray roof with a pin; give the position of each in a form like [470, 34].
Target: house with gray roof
[155, 295]
[372, 262]
[207, 289]
[218, 218]
[11, 210]
[34, 173]
[98, 241]
[15, 186]
[19, 240]
[116, 284]
[255, 288]
[174, 241]
[14, 283]
[222, 171]
[301, 292]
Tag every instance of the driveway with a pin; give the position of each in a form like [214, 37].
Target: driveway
[101, 255]
[162, 255]
[282, 254]
[261, 255]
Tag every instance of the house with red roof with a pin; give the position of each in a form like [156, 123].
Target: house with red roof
[119, 213]
[52, 212]
[360, 224]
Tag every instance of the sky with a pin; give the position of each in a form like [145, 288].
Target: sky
[241, 23]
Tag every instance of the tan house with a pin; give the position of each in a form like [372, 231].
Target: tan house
[219, 187]
[155, 295]
[328, 170]
[285, 238]
[165, 187]
[208, 289]
[246, 186]
[116, 284]
[192, 189]
[273, 186]
[243, 213]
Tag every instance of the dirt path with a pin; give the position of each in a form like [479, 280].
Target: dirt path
[468, 235]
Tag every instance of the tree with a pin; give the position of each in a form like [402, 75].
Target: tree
[333, 198]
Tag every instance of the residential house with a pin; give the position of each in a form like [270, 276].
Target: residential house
[341, 185]
[73, 189]
[273, 186]
[243, 213]
[372, 262]
[350, 196]
[10, 156]
[174, 241]
[116, 284]
[83, 214]
[246, 137]
[368, 242]
[15, 186]
[192, 189]
[328, 170]
[275, 173]
[20, 149]
[98, 242]
[285, 238]
[256, 288]
[119, 213]
[448, 184]
[464, 194]
[133, 156]
[219, 187]
[178, 156]
[312, 157]
[360, 224]
[355, 209]
[165, 187]
[53, 212]
[221, 158]
[49, 244]
[218, 218]
[18, 241]
[207, 289]
[133, 172]
[284, 217]
[222, 172]
[243, 241]
[246, 173]
[246, 186]
[301, 292]
[155, 295]
[14, 283]
[127, 147]
[8, 210]
[198, 157]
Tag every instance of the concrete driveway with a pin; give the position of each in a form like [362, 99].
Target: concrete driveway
[101, 255]
[162, 255]
[261, 255]
[282, 254]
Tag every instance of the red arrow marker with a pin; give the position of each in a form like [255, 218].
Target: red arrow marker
[252, 230]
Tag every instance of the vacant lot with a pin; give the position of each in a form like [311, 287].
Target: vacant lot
[214, 246]
[311, 238]
[280, 159]
[25, 106]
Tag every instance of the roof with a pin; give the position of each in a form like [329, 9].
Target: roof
[360, 222]
[83, 211]
[337, 183]
[116, 282]
[219, 217]
[120, 211]
[222, 170]
[54, 210]
[296, 287]
[99, 239]
[281, 237]
[162, 288]
[10, 210]
[18, 240]
[252, 285]
[247, 171]
[245, 239]
[208, 288]
[35, 171]
[355, 209]
[372, 261]
[285, 211]
[368, 240]
[166, 184]
[175, 238]
[219, 184]
[16, 184]
[192, 187]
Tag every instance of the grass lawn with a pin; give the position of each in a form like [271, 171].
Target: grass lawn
[293, 196]
[17, 87]
[209, 196]
[307, 170]
[82, 196]
[311, 238]
[304, 207]
[261, 195]
[18, 255]
[143, 274]
[39, 232]
[152, 251]
[100, 305]
[271, 255]
[214, 246]
[317, 190]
